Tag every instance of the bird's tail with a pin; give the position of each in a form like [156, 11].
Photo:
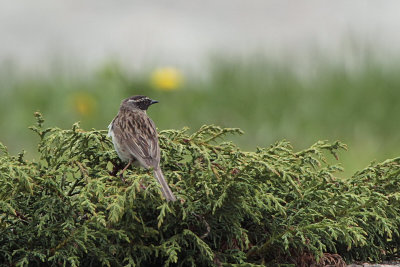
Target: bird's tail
[169, 196]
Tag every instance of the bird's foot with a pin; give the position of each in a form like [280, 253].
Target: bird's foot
[122, 177]
[142, 186]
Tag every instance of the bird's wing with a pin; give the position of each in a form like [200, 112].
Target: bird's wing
[139, 136]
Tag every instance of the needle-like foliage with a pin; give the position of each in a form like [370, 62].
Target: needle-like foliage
[268, 207]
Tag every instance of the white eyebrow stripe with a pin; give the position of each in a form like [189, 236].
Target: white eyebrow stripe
[139, 100]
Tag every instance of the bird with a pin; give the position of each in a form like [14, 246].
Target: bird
[135, 138]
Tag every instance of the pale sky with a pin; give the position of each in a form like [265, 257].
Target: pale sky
[185, 33]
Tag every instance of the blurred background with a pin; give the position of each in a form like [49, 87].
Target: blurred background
[296, 70]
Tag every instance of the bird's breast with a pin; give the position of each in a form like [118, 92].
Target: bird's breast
[120, 148]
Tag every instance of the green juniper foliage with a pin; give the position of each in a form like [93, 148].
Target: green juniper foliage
[268, 207]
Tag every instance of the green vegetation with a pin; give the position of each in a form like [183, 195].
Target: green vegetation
[269, 100]
[268, 207]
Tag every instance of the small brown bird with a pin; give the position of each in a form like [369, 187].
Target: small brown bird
[135, 138]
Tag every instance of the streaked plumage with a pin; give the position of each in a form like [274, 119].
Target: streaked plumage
[135, 138]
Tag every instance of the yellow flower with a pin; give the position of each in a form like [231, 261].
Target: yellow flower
[166, 79]
[84, 103]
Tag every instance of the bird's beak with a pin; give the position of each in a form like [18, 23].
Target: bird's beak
[153, 102]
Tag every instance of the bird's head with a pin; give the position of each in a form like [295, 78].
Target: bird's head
[138, 101]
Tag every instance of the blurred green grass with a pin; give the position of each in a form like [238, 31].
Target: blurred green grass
[269, 100]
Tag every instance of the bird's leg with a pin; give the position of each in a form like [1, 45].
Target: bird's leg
[126, 167]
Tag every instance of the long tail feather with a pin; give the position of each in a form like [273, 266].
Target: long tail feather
[169, 196]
